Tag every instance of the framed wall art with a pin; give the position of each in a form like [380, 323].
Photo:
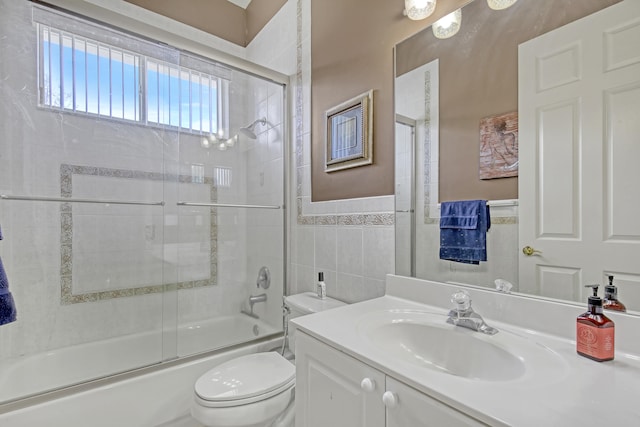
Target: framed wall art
[349, 133]
[499, 146]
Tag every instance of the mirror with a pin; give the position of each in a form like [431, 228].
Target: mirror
[443, 91]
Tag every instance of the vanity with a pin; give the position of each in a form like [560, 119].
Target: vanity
[395, 361]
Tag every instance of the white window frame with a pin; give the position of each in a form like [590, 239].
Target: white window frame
[216, 106]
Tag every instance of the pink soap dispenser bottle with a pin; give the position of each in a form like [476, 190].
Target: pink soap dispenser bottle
[611, 301]
[595, 332]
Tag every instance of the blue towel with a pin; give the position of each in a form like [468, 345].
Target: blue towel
[7, 305]
[463, 231]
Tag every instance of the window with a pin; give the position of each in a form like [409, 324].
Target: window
[83, 75]
[178, 96]
[79, 74]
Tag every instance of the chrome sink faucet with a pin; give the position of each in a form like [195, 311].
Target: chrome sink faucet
[463, 315]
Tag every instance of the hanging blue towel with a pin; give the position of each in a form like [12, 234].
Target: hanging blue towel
[7, 305]
[463, 231]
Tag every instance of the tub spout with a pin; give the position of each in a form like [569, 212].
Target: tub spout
[253, 299]
[257, 298]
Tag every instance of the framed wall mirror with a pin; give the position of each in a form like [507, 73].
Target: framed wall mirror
[576, 216]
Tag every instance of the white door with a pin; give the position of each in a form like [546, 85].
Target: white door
[405, 191]
[579, 114]
[335, 390]
[410, 408]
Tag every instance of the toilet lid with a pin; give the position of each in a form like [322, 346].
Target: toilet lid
[246, 377]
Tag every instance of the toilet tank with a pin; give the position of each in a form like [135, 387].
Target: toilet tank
[306, 303]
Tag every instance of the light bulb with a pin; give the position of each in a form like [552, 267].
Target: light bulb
[231, 141]
[447, 21]
[222, 146]
[419, 9]
[500, 4]
[448, 25]
[205, 142]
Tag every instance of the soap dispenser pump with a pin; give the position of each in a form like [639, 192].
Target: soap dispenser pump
[611, 297]
[595, 332]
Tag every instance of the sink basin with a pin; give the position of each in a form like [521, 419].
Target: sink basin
[425, 340]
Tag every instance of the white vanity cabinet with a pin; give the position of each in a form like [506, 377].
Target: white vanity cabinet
[336, 390]
[407, 407]
[333, 389]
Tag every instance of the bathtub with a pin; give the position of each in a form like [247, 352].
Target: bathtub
[152, 399]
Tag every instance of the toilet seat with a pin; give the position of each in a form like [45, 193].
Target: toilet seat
[244, 380]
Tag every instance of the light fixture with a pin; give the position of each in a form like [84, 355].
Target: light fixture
[221, 143]
[231, 141]
[448, 25]
[500, 4]
[213, 139]
[419, 9]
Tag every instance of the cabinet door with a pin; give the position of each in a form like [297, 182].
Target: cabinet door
[330, 391]
[407, 407]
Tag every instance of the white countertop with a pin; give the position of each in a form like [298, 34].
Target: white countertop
[575, 391]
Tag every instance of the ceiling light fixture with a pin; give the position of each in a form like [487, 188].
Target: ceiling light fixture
[448, 25]
[500, 4]
[419, 9]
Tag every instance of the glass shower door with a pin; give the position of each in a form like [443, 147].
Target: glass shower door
[83, 202]
[232, 216]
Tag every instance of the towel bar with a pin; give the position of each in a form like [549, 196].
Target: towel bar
[494, 203]
[227, 205]
[75, 200]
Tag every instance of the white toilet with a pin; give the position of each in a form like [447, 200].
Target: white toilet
[256, 389]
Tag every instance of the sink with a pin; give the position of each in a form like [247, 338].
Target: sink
[425, 340]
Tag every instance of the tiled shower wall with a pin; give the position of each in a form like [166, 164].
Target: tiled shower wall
[35, 143]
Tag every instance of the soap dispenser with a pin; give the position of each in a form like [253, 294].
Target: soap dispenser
[595, 332]
[611, 297]
[321, 287]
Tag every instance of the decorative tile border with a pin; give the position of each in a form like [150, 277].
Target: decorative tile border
[366, 219]
[66, 236]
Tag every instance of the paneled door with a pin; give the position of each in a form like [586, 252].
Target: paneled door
[579, 185]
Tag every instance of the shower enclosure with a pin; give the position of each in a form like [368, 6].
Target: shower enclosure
[141, 191]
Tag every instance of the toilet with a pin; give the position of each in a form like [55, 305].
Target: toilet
[255, 390]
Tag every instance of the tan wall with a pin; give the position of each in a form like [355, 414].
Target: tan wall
[259, 12]
[218, 17]
[352, 52]
[479, 78]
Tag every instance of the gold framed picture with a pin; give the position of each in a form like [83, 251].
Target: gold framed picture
[349, 133]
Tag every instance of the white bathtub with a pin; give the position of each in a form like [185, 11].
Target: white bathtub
[197, 337]
[24, 376]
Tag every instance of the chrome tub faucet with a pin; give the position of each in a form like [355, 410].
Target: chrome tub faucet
[253, 299]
